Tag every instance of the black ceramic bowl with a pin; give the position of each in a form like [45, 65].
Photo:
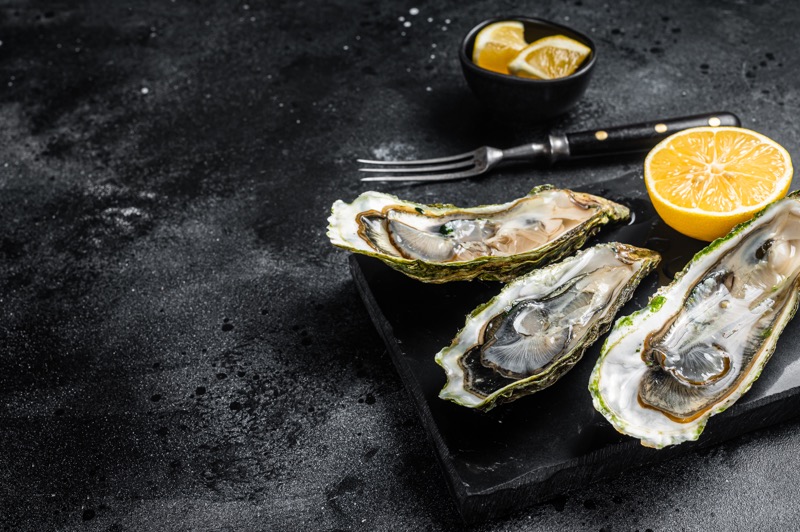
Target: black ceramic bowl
[522, 98]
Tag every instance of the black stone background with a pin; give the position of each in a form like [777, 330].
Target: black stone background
[180, 346]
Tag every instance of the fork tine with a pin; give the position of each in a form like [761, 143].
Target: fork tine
[420, 169]
[426, 178]
[420, 161]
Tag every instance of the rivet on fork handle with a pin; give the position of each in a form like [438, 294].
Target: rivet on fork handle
[639, 137]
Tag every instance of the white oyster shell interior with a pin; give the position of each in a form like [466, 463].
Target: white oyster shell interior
[382, 223]
[705, 338]
[538, 324]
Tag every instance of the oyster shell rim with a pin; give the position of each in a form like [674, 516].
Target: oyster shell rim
[489, 268]
[533, 383]
[626, 325]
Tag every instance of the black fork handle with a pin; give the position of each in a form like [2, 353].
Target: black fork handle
[631, 138]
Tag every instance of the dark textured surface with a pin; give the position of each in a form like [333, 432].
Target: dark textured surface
[182, 349]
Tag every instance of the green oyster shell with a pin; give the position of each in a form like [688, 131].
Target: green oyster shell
[458, 388]
[342, 233]
[625, 344]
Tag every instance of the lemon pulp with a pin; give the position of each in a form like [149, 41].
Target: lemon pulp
[497, 44]
[551, 57]
[703, 181]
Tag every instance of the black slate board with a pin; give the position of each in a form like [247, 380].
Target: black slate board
[552, 441]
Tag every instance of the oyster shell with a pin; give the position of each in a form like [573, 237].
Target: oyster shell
[440, 243]
[702, 340]
[540, 324]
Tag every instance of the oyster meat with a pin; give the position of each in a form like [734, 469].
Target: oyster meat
[440, 243]
[702, 340]
[540, 324]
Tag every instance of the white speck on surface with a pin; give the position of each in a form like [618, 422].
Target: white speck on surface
[414, 11]
[358, 37]
[428, 89]
[345, 47]
[124, 219]
[401, 18]
[298, 120]
[126, 211]
[391, 151]
[433, 56]
[433, 45]
[407, 23]
[444, 28]
[430, 19]
[447, 21]
[403, 33]
[246, 6]
[145, 90]
[566, 17]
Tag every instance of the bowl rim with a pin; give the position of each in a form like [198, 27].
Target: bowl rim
[466, 60]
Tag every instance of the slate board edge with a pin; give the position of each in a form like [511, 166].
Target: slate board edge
[539, 485]
[386, 333]
[542, 484]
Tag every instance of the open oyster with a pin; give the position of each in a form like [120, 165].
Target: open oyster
[540, 324]
[440, 243]
[703, 340]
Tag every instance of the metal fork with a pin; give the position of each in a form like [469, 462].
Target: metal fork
[467, 164]
[558, 147]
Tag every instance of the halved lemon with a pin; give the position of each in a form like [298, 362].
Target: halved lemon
[497, 44]
[703, 181]
[551, 57]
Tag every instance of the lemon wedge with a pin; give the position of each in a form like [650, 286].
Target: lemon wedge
[551, 57]
[497, 44]
[703, 181]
